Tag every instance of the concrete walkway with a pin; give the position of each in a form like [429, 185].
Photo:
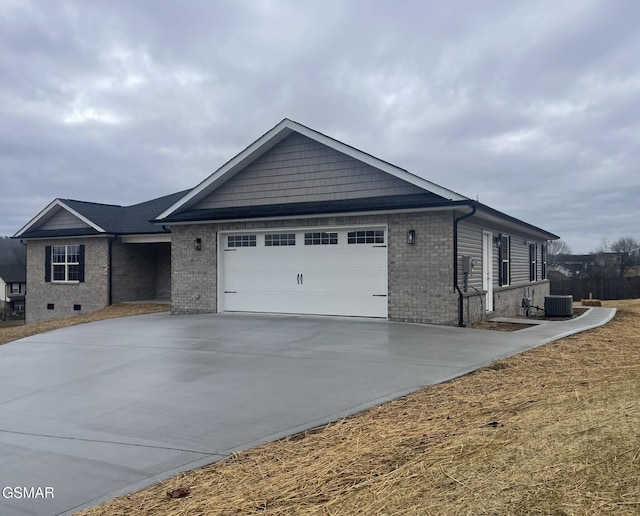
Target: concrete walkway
[106, 408]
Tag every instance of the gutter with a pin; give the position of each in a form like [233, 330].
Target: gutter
[474, 207]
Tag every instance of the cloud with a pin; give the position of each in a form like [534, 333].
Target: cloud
[532, 106]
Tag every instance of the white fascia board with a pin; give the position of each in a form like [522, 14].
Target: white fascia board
[150, 238]
[43, 215]
[278, 133]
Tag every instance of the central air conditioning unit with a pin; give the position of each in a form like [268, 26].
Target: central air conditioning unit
[558, 306]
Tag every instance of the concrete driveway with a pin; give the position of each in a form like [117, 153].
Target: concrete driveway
[101, 409]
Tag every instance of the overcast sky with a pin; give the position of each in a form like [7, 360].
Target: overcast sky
[532, 106]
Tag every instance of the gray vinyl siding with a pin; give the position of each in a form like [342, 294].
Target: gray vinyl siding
[470, 244]
[299, 169]
[519, 261]
[62, 219]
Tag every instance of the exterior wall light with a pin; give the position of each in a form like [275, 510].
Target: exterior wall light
[197, 244]
[411, 236]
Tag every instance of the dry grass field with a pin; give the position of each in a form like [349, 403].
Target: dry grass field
[555, 430]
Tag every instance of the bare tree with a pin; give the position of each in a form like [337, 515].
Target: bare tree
[556, 248]
[604, 247]
[626, 249]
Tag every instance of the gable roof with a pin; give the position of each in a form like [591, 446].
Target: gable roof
[101, 219]
[271, 138]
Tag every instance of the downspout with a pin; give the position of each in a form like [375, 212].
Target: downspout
[474, 207]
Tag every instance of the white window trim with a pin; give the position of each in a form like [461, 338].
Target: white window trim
[533, 262]
[66, 264]
[505, 281]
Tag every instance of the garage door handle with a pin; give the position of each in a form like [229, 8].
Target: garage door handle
[298, 279]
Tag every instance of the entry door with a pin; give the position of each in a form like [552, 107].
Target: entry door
[316, 271]
[487, 268]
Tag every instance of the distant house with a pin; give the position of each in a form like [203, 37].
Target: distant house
[296, 223]
[632, 272]
[13, 287]
[583, 265]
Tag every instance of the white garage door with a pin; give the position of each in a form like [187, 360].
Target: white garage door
[324, 272]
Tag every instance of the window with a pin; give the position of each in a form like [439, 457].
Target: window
[15, 288]
[320, 238]
[280, 239]
[64, 263]
[543, 256]
[241, 241]
[366, 237]
[504, 253]
[533, 262]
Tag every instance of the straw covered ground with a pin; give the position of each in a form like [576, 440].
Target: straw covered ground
[555, 430]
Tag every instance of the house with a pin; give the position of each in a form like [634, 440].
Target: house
[13, 287]
[300, 223]
[632, 272]
[83, 256]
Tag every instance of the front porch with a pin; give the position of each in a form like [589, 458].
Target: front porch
[140, 271]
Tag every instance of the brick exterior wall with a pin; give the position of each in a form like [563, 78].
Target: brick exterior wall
[193, 273]
[141, 272]
[508, 300]
[420, 276]
[91, 295]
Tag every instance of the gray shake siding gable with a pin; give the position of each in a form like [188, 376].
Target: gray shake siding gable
[299, 169]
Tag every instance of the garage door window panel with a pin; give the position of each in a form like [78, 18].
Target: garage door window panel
[241, 241]
[279, 239]
[375, 236]
[322, 238]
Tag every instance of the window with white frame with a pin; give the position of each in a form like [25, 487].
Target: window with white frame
[375, 236]
[504, 255]
[533, 262]
[15, 288]
[321, 238]
[279, 239]
[241, 241]
[65, 263]
[543, 256]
